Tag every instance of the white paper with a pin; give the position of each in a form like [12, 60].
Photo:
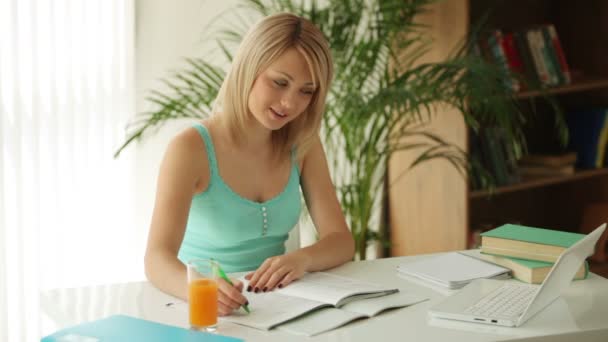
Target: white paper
[311, 292]
[270, 308]
[452, 269]
[332, 289]
[327, 319]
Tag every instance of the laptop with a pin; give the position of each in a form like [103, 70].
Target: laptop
[510, 304]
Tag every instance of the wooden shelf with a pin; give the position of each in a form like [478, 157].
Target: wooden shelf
[577, 86]
[537, 183]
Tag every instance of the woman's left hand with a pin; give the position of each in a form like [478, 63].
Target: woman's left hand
[278, 271]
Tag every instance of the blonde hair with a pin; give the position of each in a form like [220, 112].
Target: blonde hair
[261, 46]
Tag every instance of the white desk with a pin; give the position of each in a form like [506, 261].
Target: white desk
[581, 314]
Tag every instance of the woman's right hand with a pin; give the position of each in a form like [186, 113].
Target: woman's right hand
[229, 297]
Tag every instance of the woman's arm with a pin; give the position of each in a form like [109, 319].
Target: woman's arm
[184, 171]
[178, 177]
[336, 244]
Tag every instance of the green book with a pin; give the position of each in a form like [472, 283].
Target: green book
[530, 243]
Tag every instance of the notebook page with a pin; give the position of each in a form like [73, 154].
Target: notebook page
[373, 306]
[319, 321]
[270, 308]
[326, 319]
[329, 288]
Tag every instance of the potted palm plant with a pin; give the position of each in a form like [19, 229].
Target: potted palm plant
[380, 99]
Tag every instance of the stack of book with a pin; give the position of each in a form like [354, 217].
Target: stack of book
[529, 252]
[541, 165]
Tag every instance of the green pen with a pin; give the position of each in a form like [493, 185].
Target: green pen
[222, 275]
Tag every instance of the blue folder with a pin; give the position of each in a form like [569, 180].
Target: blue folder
[125, 328]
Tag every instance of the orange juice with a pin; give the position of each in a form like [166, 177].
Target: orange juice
[203, 302]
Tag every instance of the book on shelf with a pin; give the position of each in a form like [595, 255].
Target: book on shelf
[119, 328]
[535, 53]
[561, 56]
[310, 293]
[529, 271]
[527, 242]
[588, 131]
[529, 70]
[492, 156]
[559, 66]
[539, 165]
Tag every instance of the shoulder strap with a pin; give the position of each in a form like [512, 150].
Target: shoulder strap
[202, 130]
[294, 161]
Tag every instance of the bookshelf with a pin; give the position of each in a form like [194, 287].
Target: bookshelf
[574, 87]
[556, 202]
[433, 209]
[539, 183]
[589, 87]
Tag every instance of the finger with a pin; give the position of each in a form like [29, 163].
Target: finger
[287, 279]
[232, 294]
[237, 284]
[263, 281]
[223, 310]
[258, 273]
[227, 302]
[248, 277]
[276, 277]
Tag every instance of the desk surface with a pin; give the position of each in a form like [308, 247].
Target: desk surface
[580, 313]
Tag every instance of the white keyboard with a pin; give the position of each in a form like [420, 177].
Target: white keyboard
[507, 301]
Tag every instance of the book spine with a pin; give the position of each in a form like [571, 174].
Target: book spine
[495, 44]
[601, 144]
[561, 56]
[545, 59]
[523, 48]
[513, 59]
[551, 55]
[537, 57]
[494, 155]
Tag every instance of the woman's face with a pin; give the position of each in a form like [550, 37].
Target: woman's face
[282, 92]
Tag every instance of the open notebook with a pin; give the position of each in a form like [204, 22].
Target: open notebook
[326, 319]
[311, 292]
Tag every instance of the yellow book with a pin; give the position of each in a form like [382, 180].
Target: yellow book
[529, 271]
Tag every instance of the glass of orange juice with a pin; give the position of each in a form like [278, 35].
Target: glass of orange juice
[202, 294]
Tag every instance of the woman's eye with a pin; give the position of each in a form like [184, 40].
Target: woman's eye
[308, 92]
[280, 83]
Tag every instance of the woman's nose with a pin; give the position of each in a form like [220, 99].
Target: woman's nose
[287, 101]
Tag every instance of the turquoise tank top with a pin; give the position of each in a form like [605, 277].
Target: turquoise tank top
[237, 232]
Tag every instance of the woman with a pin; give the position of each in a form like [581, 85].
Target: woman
[229, 187]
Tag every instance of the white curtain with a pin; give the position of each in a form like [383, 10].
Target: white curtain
[66, 206]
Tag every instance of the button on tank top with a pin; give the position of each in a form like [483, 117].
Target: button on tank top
[238, 232]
